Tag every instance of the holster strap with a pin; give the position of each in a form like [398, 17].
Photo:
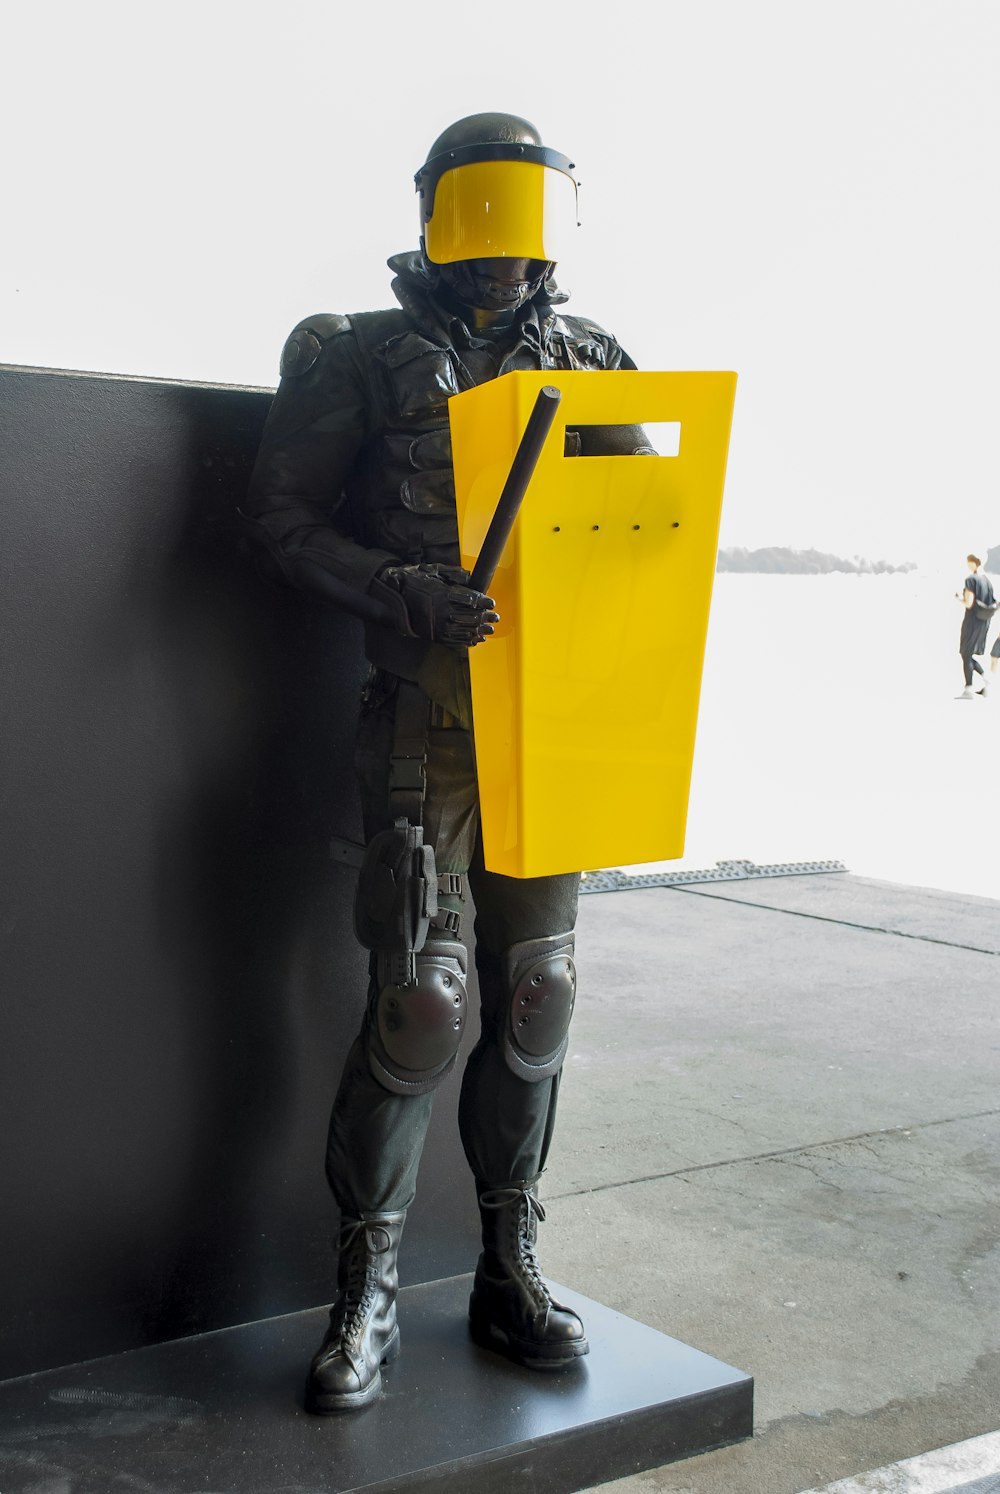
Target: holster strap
[408, 764]
[448, 920]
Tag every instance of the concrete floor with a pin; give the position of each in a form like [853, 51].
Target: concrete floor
[779, 1141]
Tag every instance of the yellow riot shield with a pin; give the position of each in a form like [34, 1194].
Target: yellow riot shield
[586, 697]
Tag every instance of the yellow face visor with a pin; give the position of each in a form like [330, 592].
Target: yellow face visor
[496, 202]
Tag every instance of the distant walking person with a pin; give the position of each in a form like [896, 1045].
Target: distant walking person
[980, 605]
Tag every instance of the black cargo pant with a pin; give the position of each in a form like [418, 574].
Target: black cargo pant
[376, 1137]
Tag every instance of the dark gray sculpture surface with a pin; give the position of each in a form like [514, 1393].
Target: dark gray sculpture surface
[179, 975]
[224, 1412]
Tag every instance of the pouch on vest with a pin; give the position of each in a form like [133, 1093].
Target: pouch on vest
[421, 374]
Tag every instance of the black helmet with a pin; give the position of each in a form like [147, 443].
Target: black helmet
[490, 189]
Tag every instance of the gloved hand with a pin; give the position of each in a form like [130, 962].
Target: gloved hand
[435, 602]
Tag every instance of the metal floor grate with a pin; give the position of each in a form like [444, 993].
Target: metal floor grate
[723, 871]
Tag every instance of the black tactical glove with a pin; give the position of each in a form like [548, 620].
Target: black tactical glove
[435, 602]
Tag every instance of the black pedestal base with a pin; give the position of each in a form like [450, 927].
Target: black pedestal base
[222, 1413]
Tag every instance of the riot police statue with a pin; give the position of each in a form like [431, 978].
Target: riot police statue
[353, 497]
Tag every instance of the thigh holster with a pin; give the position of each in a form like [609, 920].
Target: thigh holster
[541, 981]
[414, 1030]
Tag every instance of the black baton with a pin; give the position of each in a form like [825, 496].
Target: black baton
[521, 470]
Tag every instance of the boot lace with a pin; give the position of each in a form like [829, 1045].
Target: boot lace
[529, 1215]
[361, 1286]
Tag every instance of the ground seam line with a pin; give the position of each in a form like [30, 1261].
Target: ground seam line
[868, 928]
[791, 1151]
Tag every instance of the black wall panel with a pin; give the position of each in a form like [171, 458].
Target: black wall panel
[178, 976]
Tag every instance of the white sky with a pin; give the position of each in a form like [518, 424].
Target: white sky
[802, 190]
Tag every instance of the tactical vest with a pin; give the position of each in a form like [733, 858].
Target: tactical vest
[403, 497]
[402, 491]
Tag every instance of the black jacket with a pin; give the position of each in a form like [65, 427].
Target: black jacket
[354, 470]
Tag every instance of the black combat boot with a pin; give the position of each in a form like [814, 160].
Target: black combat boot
[511, 1309]
[362, 1334]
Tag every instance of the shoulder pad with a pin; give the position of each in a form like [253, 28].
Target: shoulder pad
[325, 325]
[306, 341]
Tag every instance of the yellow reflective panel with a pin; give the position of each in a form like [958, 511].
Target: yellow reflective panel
[585, 699]
[494, 209]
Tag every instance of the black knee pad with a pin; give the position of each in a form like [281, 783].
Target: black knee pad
[414, 1031]
[541, 982]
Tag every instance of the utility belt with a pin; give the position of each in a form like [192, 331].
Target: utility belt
[391, 653]
[395, 658]
[381, 685]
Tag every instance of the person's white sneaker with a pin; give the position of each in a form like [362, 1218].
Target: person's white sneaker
[966, 694]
